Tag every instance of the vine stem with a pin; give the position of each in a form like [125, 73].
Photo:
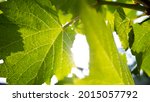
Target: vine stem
[71, 22]
[111, 3]
[130, 6]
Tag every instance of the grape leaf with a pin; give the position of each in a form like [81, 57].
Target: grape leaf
[40, 32]
[106, 65]
[67, 6]
[61, 49]
[122, 27]
[141, 44]
[70, 6]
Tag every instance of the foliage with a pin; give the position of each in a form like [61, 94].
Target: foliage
[36, 37]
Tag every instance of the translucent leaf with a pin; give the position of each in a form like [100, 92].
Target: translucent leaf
[2, 1]
[64, 18]
[106, 65]
[141, 44]
[122, 27]
[63, 62]
[36, 57]
[67, 6]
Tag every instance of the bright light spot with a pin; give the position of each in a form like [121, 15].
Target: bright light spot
[70, 75]
[2, 80]
[54, 80]
[86, 72]
[80, 51]
[130, 57]
[77, 72]
[139, 13]
[141, 72]
[140, 19]
[1, 61]
[106, 22]
[117, 40]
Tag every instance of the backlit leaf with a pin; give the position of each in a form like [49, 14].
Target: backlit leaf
[106, 65]
[122, 27]
[43, 47]
[141, 44]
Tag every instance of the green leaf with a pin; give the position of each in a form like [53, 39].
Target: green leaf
[125, 1]
[141, 44]
[67, 6]
[106, 65]
[64, 18]
[63, 60]
[122, 27]
[2, 1]
[38, 33]
[70, 6]
[66, 81]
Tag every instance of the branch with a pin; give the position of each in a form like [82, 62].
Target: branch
[71, 22]
[130, 6]
[110, 3]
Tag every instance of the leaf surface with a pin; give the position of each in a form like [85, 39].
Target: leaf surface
[43, 47]
[141, 44]
[122, 27]
[106, 65]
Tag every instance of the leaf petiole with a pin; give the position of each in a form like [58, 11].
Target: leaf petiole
[130, 6]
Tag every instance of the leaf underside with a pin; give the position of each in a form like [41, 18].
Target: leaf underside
[106, 65]
[37, 46]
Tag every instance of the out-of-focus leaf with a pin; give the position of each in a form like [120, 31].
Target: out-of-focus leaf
[66, 81]
[67, 6]
[70, 6]
[132, 14]
[2, 0]
[125, 1]
[106, 65]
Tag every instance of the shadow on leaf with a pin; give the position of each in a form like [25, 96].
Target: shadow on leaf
[10, 38]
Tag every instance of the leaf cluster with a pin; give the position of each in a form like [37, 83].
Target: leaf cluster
[36, 37]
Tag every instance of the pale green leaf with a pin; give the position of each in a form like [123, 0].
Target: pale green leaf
[2, 0]
[67, 6]
[64, 18]
[106, 65]
[122, 27]
[61, 49]
[37, 33]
